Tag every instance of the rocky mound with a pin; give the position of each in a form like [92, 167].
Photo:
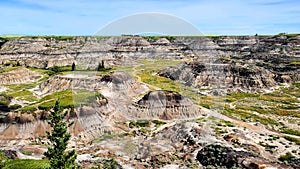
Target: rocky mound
[166, 105]
[218, 156]
[230, 77]
[116, 81]
[70, 81]
[18, 76]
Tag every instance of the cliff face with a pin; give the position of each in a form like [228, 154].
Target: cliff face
[280, 54]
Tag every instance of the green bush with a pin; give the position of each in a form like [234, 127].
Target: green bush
[158, 122]
[3, 159]
[288, 157]
[15, 106]
[139, 123]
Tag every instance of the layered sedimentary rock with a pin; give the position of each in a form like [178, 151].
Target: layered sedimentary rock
[228, 77]
[19, 76]
[166, 105]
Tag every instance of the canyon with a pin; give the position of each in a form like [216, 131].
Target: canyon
[156, 102]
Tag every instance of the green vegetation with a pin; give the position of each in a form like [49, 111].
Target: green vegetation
[148, 70]
[73, 67]
[4, 100]
[101, 66]
[107, 164]
[292, 139]
[59, 69]
[290, 131]
[155, 38]
[139, 123]
[268, 147]
[294, 63]
[287, 158]
[59, 138]
[23, 95]
[26, 164]
[220, 131]
[68, 98]
[158, 122]
[145, 123]
[3, 40]
[225, 123]
[3, 159]
[58, 38]
[247, 116]
[7, 69]
[21, 91]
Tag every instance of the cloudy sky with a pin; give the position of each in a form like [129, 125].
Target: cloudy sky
[86, 17]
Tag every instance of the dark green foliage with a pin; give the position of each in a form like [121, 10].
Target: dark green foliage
[4, 100]
[158, 122]
[101, 66]
[58, 69]
[292, 139]
[73, 67]
[59, 137]
[139, 123]
[287, 157]
[3, 41]
[14, 107]
[3, 159]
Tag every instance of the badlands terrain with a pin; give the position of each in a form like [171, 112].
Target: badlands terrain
[155, 102]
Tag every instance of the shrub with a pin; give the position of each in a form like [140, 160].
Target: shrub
[288, 157]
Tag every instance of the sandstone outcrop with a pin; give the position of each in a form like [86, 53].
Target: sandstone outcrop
[19, 76]
[229, 77]
[166, 105]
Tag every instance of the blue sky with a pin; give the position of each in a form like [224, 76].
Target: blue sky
[86, 17]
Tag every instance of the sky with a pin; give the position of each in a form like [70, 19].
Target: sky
[86, 17]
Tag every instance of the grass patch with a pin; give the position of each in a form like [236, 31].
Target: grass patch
[139, 123]
[287, 158]
[292, 139]
[246, 116]
[7, 69]
[26, 164]
[290, 131]
[68, 98]
[225, 123]
[24, 95]
[220, 131]
[28, 109]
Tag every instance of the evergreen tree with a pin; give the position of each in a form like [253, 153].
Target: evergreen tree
[102, 62]
[100, 66]
[73, 67]
[59, 137]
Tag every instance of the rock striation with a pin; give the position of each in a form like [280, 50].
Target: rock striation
[19, 76]
[166, 105]
[228, 77]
